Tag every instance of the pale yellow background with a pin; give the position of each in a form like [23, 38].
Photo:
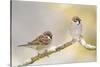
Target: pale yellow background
[30, 19]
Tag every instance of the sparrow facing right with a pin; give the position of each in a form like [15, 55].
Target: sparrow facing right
[40, 42]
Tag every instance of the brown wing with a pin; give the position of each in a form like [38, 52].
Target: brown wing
[41, 40]
[36, 41]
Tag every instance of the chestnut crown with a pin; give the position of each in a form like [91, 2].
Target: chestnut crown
[76, 18]
[48, 33]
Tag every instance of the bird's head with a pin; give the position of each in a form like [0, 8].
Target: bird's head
[48, 33]
[76, 19]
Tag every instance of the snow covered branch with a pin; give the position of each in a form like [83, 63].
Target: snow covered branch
[46, 54]
[57, 49]
[86, 45]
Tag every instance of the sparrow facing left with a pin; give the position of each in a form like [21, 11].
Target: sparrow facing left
[40, 42]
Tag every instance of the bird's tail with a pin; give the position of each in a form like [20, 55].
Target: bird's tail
[22, 45]
[25, 45]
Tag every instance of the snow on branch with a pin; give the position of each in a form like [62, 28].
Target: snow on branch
[57, 49]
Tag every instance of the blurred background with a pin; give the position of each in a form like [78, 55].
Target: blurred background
[30, 19]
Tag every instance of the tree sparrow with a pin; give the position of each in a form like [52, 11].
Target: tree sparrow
[40, 42]
[76, 27]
